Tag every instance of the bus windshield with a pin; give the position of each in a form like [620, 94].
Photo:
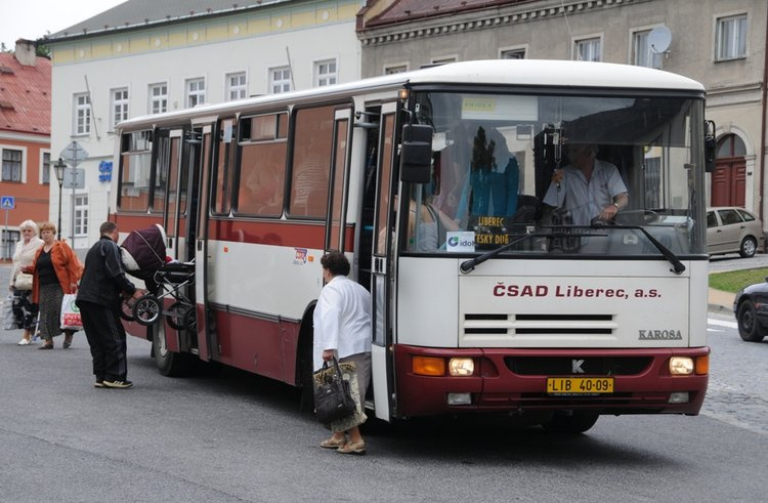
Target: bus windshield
[566, 174]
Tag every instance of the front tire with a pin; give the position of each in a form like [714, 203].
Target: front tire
[571, 424]
[749, 328]
[748, 247]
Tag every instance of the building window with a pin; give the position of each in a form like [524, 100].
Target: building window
[81, 215]
[45, 176]
[236, 86]
[391, 70]
[158, 98]
[279, 80]
[325, 73]
[588, 50]
[512, 54]
[731, 37]
[12, 165]
[119, 106]
[82, 114]
[195, 92]
[643, 53]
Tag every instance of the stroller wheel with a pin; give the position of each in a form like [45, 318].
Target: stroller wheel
[126, 311]
[190, 319]
[146, 310]
[175, 315]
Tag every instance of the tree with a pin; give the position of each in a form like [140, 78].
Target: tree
[41, 48]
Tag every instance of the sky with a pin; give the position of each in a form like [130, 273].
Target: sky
[31, 19]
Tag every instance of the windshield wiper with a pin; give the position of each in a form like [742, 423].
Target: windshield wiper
[668, 254]
[469, 265]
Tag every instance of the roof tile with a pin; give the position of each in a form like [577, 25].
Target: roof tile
[25, 96]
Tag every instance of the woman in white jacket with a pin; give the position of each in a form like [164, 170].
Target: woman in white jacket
[24, 311]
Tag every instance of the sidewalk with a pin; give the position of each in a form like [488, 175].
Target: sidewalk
[721, 302]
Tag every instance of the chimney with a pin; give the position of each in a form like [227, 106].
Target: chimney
[25, 52]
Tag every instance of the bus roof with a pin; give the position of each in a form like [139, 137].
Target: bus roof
[523, 72]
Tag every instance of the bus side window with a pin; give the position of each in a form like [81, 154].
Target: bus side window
[225, 166]
[313, 143]
[262, 179]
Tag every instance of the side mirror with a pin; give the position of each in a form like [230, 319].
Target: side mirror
[710, 147]
[416, 153]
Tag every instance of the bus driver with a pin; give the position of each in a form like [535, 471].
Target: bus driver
[589, 188]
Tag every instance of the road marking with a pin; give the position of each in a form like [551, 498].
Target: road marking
[722, 323]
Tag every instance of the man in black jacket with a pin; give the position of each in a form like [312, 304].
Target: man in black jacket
[98, 298]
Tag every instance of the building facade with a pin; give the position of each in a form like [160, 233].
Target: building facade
[25, 129]
[144, 57]
[722, 44]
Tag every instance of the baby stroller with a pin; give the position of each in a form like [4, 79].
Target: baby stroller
[174, 277]
[144, 256]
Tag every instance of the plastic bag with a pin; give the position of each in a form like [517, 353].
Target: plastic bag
[9, 321]
[70, 313]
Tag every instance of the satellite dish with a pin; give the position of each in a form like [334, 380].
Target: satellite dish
[659, 39]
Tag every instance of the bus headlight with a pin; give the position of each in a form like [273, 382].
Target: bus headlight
[461, 367]
[681, 365]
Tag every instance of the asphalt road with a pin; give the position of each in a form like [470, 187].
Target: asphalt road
[234, 437]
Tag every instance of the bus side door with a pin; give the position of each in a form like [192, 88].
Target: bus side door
[202, 277]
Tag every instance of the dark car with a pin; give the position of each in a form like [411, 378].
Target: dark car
[751, 309]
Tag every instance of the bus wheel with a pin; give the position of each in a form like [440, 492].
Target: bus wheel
[169, 363]
[307, 404]
[578, 422]
[146, 310]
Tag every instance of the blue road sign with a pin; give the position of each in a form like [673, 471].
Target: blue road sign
[7, 202]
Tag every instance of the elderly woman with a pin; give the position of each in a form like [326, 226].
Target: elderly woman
[24, 310]
[56, 272]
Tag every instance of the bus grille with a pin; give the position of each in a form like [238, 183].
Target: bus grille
[591, 365]
[538, 324]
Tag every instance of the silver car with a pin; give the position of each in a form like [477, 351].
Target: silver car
[734, 230]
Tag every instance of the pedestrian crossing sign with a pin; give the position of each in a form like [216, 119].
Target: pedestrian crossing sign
[7, 202]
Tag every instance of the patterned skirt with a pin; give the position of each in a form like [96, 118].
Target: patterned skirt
[24, 311]
[50, 310]
[348, 373]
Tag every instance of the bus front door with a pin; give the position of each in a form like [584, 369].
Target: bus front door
[382, 368]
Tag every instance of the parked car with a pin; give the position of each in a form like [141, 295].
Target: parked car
[751, 309]
[734, 230]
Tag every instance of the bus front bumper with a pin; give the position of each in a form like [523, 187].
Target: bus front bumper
[505, 379]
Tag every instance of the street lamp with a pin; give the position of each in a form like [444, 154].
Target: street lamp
[59, 167]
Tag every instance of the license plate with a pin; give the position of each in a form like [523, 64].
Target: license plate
[579, 385]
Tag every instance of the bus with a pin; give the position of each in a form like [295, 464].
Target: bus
[446, 189]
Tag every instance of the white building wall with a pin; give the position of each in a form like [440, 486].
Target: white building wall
[239, 43]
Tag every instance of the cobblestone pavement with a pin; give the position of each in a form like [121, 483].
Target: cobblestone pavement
[737, 392]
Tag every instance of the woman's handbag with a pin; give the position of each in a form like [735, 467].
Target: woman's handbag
[333, 400]
[23, 281]
[70, 313]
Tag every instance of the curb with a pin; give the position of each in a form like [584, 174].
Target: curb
[717, 308]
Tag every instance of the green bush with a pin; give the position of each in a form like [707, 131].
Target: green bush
[734, 281]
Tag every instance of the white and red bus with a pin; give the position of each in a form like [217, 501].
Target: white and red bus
[433, 183]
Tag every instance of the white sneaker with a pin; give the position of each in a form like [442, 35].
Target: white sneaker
[23, 342]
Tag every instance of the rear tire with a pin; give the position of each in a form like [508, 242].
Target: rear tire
[572, 424]
[749, 327]
[748, 247]
[169, 363]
